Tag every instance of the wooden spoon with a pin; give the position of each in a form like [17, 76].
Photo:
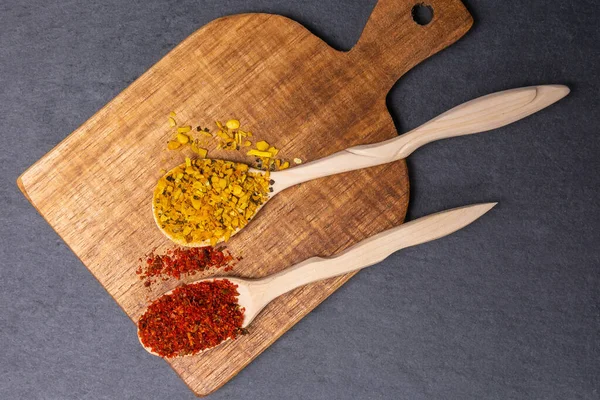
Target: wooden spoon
[255, 294]
[482, 114]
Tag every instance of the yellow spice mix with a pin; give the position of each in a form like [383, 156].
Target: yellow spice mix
[231, 137]
[206, 200]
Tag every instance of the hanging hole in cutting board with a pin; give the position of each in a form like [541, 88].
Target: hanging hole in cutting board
[422, 13]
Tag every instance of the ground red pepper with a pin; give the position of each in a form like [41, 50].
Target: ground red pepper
[192, 318]
[186, 260]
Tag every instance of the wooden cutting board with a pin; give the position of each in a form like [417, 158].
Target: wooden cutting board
[288, 87]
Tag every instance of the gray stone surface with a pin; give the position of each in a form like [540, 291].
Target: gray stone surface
[504, 309]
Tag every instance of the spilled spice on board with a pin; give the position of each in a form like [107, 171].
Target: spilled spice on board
[229, 136]
[192, 318]
[180, 261]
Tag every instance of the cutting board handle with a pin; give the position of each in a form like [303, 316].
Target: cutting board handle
[392, 42]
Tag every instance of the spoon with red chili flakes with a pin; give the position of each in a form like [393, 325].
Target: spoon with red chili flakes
[192, 318]
[201, 315]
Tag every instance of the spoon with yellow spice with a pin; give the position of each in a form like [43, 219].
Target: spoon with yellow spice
[204, 202]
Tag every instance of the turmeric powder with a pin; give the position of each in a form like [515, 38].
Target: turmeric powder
[205, 201]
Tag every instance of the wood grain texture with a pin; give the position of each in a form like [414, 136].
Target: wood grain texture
[289, 88]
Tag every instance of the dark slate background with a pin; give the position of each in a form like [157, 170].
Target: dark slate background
[504, 309]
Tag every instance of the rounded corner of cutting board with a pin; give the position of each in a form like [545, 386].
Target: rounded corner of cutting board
[469, 21]
[21, 185]
[263, 24]
[275, 19]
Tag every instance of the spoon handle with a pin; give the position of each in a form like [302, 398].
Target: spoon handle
[373, 249]
[482, 114]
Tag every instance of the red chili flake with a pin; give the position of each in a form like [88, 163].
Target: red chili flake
[184, 261]
[192, 318]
